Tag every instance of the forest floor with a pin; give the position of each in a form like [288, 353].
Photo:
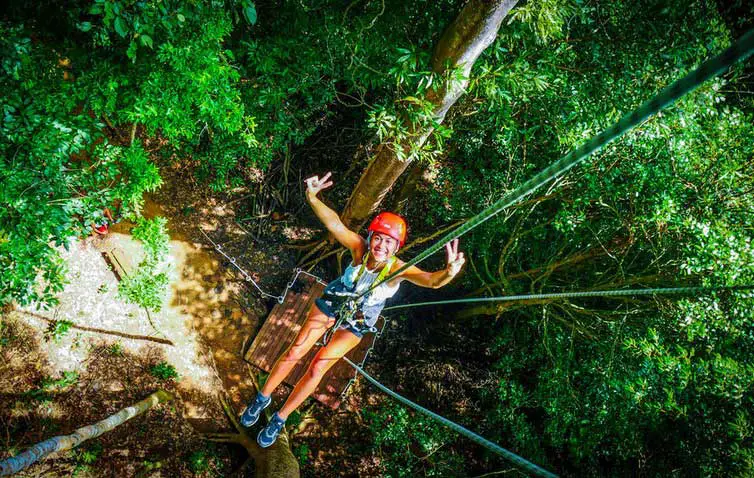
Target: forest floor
[93, 354]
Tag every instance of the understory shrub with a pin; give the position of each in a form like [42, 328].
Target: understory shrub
[410, 443]
[147, 285]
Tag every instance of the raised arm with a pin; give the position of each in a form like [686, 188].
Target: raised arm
[436, 279]
[349, 239]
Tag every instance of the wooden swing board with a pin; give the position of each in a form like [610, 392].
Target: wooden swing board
[280, 330]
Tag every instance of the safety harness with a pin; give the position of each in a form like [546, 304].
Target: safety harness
[348, 302]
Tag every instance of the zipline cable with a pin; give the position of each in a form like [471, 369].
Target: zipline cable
[740, 50]
[593, 293]
[509, 455]
[520, 462]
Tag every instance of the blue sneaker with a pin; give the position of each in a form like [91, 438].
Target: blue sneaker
[269, 434]
[250, 416]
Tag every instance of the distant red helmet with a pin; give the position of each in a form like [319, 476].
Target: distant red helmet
[390, 224]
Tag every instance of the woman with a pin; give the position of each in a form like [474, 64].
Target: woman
[372, 259]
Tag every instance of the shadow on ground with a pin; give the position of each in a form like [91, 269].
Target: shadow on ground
[36, 404]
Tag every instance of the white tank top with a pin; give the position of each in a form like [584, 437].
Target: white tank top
[378, 295]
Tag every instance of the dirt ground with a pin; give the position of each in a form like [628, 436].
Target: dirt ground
[52, 382]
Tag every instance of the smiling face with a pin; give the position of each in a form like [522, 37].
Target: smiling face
[382, 246]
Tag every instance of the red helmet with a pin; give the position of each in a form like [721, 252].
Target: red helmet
[390, 224]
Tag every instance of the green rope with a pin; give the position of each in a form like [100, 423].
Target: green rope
[710, 68]
[512, 457]
[594, 293]
[509, 455]
[740, 50]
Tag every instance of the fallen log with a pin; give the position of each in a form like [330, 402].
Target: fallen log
[66, 442]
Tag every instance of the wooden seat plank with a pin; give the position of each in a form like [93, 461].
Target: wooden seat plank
[280, 330]
[289, 327]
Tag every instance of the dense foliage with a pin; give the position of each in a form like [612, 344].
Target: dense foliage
[582, 387]
[80, 85]
[608, 381]
[58, 170]
[410, 444]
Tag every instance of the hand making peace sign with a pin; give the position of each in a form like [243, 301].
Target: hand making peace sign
[455, 258]
[314, 184]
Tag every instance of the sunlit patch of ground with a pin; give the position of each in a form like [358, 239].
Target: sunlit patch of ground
[199, 331]
[209, 316]
[90, 302]
[37, 404]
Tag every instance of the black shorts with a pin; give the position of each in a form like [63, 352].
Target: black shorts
[354, 329]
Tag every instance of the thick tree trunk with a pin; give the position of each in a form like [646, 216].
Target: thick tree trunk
[400, 201]
[463, 41]
[66, 442]
[276, 461]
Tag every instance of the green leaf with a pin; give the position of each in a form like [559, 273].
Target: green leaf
[131, 51]
[250, 12]
[84, 26]
[146, 40]
[181, 18]
[119, 27]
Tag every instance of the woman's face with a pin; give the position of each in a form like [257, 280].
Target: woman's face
[382, 246]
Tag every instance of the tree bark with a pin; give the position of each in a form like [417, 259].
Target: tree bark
[276, 461]
[66, 442]
[406, 192]
[463, 41]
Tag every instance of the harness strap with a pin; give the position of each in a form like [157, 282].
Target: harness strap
[380, 277]
[349, 308]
